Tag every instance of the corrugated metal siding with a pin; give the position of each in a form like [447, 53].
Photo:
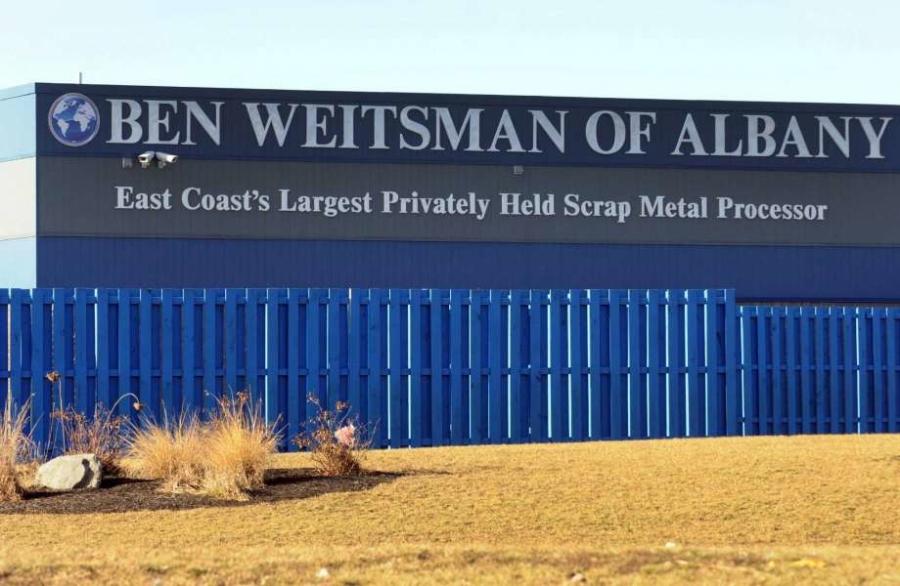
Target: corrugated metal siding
[755, 272]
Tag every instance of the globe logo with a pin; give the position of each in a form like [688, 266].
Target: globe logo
[74, 119]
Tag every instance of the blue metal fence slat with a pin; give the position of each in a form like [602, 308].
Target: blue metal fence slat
[41, 364]
[480, 356]
[763, 369]
[167, 358]
[820, 393]
[578, 359]
[790, 350]
[732, 359]
[382, 368]
[864, 377]
[656, 347]
[618, 364]
[208, 337]
[556, 366]
[331, 349]
[748, 380]
[778, 403]
[893, 424]
[61, 390]
[518, 357]
[636, 378]
[496, 416]
[834, 367]
[806, 366]
[398, 356]
[104, 349]
[144, 335]
[337, 339]
[356, 354]
[233, 297]
[695, 403]
[4, 348]
[20, 348]
[191, 350]
[439, 435]
[712, 362]
[254, 336]
[459, 424]
[416, 399]
[275, 361]
[850, 388]
[537, 348]
[599, 363]
[677, 416]
[301, 345]
[878, 321]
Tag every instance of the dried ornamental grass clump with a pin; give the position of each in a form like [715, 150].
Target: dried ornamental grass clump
[224, 457]
[171, 452]
[15, 448]
[337, 445]
[237, 444]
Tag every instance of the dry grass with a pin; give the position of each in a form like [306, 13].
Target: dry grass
[237, 446]
[15, 448]
[171, 452]
[225, 457]
[104, 434]
[807, 510]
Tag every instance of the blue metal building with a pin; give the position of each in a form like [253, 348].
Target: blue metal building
[111, 186]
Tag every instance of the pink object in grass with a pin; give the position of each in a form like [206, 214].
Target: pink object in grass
[346, 435]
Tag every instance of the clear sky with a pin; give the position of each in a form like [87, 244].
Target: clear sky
[792, 50]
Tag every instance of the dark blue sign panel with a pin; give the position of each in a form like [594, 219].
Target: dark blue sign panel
[424, 128]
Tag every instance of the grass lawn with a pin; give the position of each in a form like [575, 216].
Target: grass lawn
[741, 510]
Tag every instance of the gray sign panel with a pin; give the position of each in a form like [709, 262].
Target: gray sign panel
[297, 200]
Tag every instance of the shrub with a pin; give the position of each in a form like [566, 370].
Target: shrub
[104, 434]
[171, 452]
[225, 457]
[15, 448]
[336, 442]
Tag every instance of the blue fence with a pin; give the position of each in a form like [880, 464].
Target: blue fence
[436, 367]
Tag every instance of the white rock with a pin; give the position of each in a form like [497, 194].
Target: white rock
[323, 573]
[71, 472]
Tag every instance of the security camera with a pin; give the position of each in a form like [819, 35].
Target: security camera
[164, 159]
[146, 158]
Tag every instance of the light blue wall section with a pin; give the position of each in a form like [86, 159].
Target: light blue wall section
[18, 263]
[17, 123]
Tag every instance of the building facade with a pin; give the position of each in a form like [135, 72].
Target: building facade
[184, 187]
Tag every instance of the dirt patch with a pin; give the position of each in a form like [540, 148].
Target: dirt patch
[119, 495]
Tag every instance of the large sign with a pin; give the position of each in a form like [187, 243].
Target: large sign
[411, 128]
[345, 166]
[341, 201]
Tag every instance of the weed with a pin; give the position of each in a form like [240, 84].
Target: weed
[336, 442]
[15, 448]
[104, 434]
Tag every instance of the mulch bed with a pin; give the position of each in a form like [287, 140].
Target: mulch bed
[119, 495]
